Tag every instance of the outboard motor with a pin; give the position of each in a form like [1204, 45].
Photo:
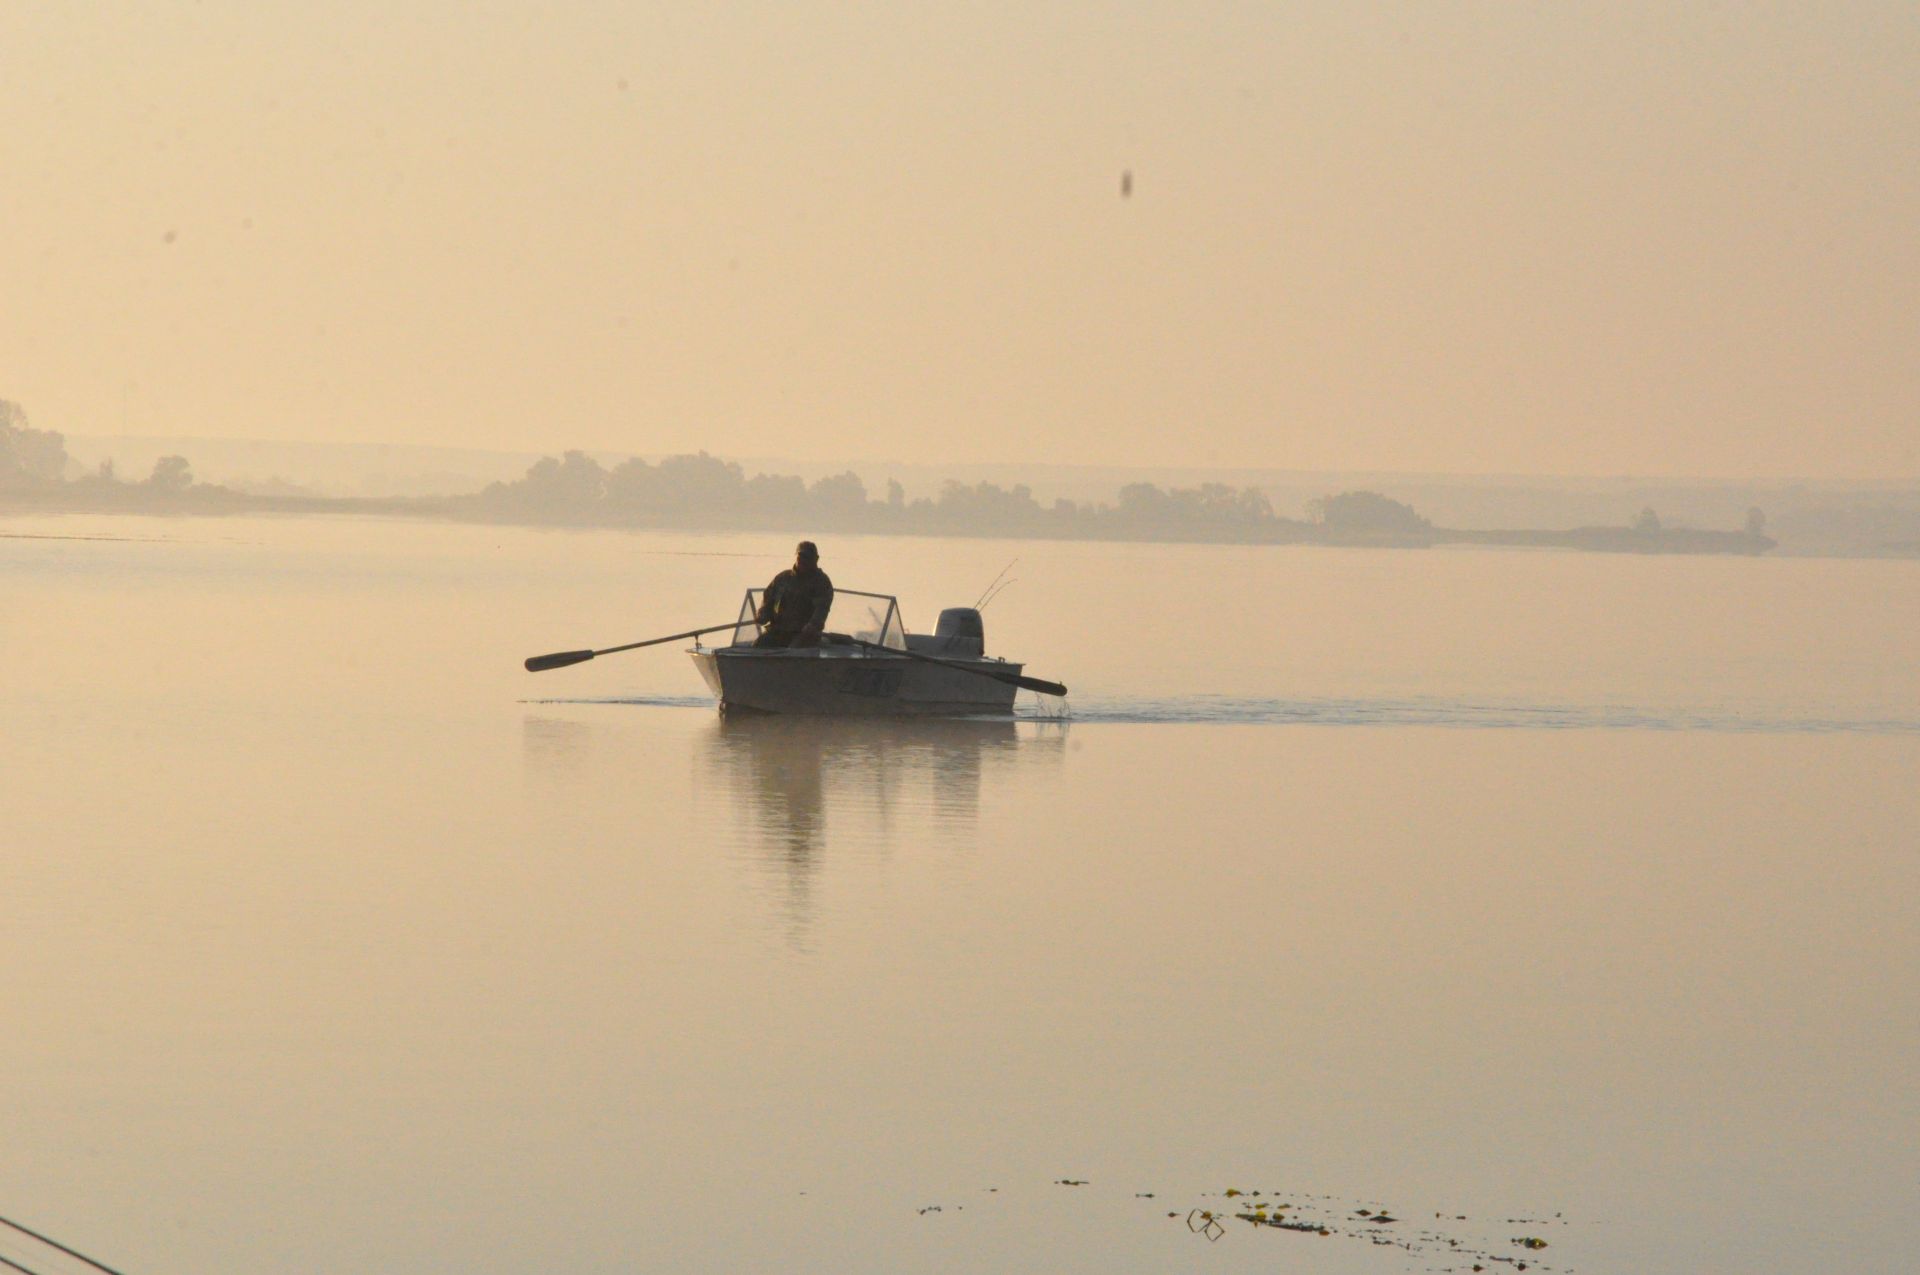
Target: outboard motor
[960, 632]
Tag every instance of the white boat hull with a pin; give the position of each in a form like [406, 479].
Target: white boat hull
[839, 682]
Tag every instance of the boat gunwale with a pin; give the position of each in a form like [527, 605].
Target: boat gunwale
[836, 652]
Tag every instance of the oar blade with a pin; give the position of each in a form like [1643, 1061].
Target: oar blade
[559, 659]
[1040, 685]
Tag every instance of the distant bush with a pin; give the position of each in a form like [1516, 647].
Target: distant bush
[28, 457]
[1367, 513]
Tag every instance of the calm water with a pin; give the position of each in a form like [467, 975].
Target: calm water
[1560, 896]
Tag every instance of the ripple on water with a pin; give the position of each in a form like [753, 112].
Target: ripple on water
[1480, 714]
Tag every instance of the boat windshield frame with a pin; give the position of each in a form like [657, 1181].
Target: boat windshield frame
[884, 625]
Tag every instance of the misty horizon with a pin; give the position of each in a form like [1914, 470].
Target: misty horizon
[89, 447]
[1830, 517]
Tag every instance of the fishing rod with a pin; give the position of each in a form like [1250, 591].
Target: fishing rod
[996, 580]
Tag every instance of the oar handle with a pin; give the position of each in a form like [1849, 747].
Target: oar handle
[999, 675]
[560, 659]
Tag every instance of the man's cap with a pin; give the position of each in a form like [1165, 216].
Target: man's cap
[806, 549]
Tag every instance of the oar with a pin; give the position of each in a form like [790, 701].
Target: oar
[560, 659]
[1011, 679]
[53, 1243]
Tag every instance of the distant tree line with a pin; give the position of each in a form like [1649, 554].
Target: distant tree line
[702, 491]
[705, 491]
[36, 459]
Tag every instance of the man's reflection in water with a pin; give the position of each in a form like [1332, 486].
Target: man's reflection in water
[873, 780]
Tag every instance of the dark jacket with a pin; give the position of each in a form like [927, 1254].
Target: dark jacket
[793, 601]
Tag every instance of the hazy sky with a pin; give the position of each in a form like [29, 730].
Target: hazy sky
[1573, 238]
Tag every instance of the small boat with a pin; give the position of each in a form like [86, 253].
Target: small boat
[879, 671]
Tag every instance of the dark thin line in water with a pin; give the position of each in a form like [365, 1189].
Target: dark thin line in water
[657, 553]
[53, 1243]
[694, 553]
[124, 540]
[13, 1265]
[638, 701]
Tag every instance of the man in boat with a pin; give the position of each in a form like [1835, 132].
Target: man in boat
[793, 611]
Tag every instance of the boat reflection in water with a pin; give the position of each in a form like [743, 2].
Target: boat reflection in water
[796, 787]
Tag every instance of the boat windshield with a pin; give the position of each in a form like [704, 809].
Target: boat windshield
[871, 617]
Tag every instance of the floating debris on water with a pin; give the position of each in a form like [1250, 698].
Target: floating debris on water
[1320, 1215]
[1309, 1228]
[1442, 1246]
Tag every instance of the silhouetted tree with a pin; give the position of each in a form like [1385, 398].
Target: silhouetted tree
[842, 493]
[1756, 522]
[987, 505]
[28, 456]
[701, 483]
[171, 474]
[1367, 513]
[1144, 502]
[632, 486]
[1648, 520]
[777, 495]
[575, 481]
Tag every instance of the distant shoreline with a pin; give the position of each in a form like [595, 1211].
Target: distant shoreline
[213, 501]
[701, 492]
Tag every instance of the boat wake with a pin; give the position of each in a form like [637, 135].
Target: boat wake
[1466, 714]
[1226, 710]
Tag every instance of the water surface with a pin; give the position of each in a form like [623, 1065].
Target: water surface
[1576, 891]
